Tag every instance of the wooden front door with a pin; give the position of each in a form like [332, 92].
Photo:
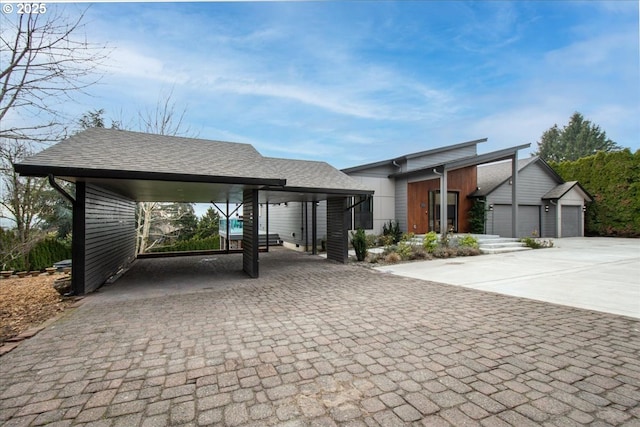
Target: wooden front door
[418, 207]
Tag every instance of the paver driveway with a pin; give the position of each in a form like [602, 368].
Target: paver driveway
[316, 343]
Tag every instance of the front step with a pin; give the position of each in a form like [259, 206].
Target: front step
[488, 243]
[492, 244]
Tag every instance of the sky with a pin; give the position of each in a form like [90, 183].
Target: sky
[353, 82]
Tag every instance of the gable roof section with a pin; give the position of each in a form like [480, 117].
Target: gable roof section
[148, 167]
[491, 176]
[562, 189]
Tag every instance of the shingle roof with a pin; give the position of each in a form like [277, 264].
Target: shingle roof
[311, 174]
[562, 189]
[118, 150]
[126, 158]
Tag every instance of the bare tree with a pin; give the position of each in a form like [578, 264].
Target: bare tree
[25, 202]
[44, 60]
[165, 119]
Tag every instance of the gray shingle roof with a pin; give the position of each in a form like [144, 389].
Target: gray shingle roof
[117, 150]
[98, 154]
[562, 189]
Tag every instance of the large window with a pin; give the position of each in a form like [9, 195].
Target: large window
[452, 211]
[363, 213]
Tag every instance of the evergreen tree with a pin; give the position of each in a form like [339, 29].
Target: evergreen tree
[579, 138]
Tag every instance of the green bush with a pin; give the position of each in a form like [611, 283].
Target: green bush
[430, 241]
[477, 217]
[533, 243]
[467, 241]
[359, 243]
[392, 229]
[372, 240]
[47, 252]
[193, 244]
[613, 179]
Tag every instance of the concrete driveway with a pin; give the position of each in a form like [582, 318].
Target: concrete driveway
[194, 342]
[595, 273]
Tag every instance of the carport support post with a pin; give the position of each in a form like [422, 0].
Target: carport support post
[514, 195]
[250, 233]
[314, 228]
[337, 229]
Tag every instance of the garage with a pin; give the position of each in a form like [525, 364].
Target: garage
[499, 220]
[571, 221]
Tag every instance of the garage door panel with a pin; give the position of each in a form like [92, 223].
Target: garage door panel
[571, 219]
[528, 220]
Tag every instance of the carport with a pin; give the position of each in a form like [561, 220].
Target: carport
[113, 169]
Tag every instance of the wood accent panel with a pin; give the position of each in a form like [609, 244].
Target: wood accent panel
[250, 242]
[337, 227]
[464, 181]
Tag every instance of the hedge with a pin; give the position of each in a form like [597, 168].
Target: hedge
[613, 179]
[194, 244]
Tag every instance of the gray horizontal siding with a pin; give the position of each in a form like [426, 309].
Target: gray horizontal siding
[110, 233]
[443, 157]
[288, 221]
[401, 203]
[533, 183]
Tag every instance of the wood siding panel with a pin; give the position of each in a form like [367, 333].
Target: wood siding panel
[250, 233]
[337, 226]
[109, 235]
[464, 181]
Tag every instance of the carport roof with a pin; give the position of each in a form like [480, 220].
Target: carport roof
[149, 167]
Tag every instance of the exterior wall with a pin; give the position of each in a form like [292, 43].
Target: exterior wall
[549, 221]
[109, 234]
[533, 183]
[442, 157]
[383, 200]
[288, 220]
[401, 203]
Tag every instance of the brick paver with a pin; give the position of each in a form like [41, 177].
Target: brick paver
[316, 343]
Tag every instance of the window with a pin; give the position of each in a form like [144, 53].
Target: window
[363, 213]
[434, 211]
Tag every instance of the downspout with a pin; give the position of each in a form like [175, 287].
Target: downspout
[56, 186]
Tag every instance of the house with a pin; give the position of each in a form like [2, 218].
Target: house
[408, 190]
[548, 206]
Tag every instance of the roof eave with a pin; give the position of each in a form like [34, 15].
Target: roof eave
[86, 173]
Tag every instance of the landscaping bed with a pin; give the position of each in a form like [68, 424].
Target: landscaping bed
[27, 302]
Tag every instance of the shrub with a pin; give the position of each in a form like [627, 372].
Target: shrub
[467, 251]
[47, 252]
[387, 240]
[477, 217]
[359, 243]
[392, 258]
[372, 240]
[467, 241]
[193, 244]
[533, 243]
[393, 230]
[405, 250]
[445, 252]
[430, 241]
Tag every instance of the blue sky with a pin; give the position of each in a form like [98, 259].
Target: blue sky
[360, 81]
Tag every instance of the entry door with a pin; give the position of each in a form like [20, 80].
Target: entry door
[418, 193]
[434, 211]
